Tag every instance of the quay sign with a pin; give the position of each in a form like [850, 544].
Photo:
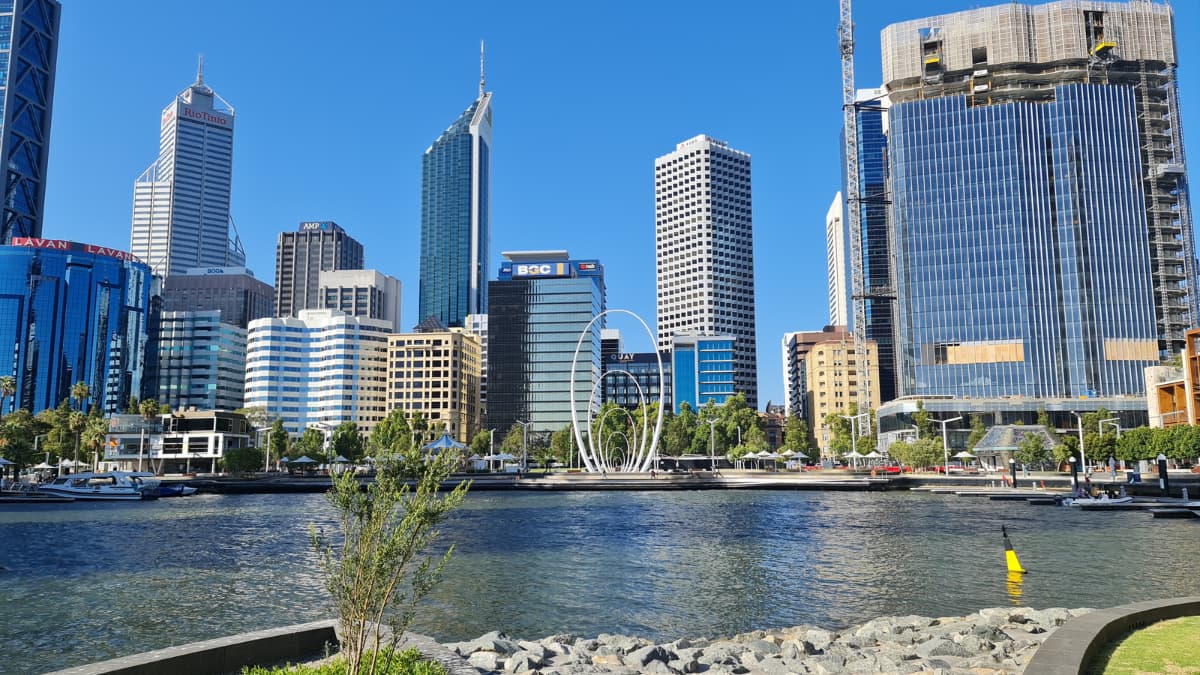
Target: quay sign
[64, 245]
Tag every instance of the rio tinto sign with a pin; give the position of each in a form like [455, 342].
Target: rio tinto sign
[64, 245]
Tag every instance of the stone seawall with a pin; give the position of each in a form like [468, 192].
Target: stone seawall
[989, 642]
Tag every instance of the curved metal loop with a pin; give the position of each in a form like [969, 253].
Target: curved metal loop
[588, 458]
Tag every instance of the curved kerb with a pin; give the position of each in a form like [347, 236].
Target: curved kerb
[1072, 647]
[265, 647]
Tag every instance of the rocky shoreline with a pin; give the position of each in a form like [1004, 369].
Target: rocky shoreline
[989, 642]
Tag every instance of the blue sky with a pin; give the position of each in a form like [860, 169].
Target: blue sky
[335, 104]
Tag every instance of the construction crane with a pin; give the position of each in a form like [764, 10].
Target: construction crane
[858, 289]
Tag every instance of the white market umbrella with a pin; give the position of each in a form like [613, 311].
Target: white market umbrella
[67, 463]
[799, 455]
[786, 453]
[304, 459]
[43, 465]
[872, 455]
[963, 455]
[340, 460]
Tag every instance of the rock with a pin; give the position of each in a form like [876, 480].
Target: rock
[485, 660]
[494, 641]
[609, 659]
[587, 645]
[657, 667]
[624, 645]
[534, 648]
[689, 665]
[1051, 617]
[819, 638]
[763, 647]
[521, 661]
[642, 657]
[940, 647]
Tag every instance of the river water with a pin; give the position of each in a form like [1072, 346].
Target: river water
[85, 582]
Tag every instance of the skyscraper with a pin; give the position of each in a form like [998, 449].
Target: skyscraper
[1043, 235]
[705, 250]
[836, 265]
[233, 291]
[872, 205]
[301, 256]
[29, 54]
[181, 213]
[541, 304]
[73, 313]
[456, 221]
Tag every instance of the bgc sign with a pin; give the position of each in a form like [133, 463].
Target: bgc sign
[543, 270]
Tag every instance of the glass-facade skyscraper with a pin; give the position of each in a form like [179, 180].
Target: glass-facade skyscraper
[28, 56]
[872, 204]
[540, 305]
[456, 221]
[181, 215]
[72, 313]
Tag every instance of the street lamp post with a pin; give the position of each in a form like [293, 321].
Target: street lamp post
[854, 434]
[525, 445]
[1012, 470]
[1082, 456]
[712, 444]
[945, 445]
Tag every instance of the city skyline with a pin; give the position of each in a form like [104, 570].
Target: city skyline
[580, 128]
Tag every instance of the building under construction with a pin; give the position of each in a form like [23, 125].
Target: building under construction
[1041, 228]
[1015, 52]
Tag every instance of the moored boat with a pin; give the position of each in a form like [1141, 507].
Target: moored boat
[108, 486]
[1093, 501]
[175, 490]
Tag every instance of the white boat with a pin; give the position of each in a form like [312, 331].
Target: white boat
[111, 486]
[1102, 501]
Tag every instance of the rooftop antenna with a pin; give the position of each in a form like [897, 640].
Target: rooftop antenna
[200, 71]
[481, 80]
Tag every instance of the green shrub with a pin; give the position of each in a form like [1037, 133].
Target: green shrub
[407, 662]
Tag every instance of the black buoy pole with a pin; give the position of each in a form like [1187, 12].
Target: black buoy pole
[1012, 468]
[1163, 481]
[1074, 475]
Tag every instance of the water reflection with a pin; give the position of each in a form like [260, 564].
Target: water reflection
[122, 578]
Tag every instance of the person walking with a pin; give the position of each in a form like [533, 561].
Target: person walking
[1112, 467]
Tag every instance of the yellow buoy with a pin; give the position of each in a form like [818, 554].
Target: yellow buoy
[1010, 556]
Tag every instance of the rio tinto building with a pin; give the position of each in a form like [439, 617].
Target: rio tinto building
[181, 202]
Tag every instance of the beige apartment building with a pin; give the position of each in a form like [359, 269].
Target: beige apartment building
[437, 374]
[831, 384]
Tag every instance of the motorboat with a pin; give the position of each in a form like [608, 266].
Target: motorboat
[175, 490]
[109, 486]
[1103, 500]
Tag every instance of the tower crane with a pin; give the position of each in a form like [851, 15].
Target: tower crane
[858, 289]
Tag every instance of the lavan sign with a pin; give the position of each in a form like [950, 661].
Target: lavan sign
[64, 245]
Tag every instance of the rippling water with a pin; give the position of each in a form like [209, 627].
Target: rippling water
[85, 582]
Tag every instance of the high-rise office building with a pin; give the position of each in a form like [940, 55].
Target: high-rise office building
[1043, 233]
[477, 325]
[703, 370]
[232, 291]
[301, 256]
[540, 306]
[705, 250]
[29, 54]
[73, 313]
[366, 293]
[796, 347]
[872, 204]
[201, 361]
[456, 221]
[437, 375]
[831, 384]
[631, 378]
[837, 262]
[319, 370]
[181, 216]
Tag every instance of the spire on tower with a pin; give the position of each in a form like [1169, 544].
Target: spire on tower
[200, 72]
[481, 80]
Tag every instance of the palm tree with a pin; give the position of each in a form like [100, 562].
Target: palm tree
[76, 422]
[80, 392]
[8, 387]
[95, 432]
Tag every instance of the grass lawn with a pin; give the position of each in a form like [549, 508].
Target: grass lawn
[1171, 646]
